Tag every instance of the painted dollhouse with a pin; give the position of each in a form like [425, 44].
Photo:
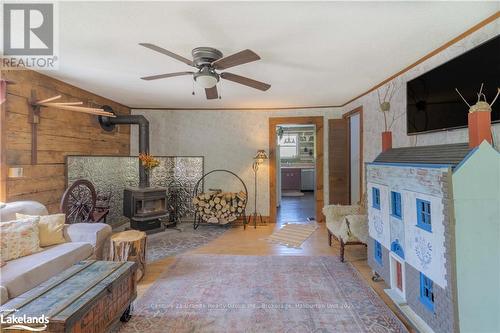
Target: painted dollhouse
[434, 231]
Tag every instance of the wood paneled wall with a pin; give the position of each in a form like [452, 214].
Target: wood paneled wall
[60, 133]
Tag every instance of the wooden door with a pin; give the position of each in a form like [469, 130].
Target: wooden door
[338, 161]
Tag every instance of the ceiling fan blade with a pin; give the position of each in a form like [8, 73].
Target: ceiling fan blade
[212, 93]
[245, 81]
[168, 53]
[163, 76]
[236, 59]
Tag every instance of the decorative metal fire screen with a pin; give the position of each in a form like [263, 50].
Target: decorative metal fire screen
[111, 174]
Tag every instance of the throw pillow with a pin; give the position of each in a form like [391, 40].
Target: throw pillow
[19, 238]
[50, 228]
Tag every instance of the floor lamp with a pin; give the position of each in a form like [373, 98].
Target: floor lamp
[258, 160]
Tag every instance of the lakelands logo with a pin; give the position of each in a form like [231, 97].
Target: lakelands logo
[29, 36]
[24, 322]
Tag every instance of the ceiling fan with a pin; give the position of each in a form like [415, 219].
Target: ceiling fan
[207, 60]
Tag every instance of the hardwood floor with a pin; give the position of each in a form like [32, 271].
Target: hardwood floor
[252, 241]
[296, 209]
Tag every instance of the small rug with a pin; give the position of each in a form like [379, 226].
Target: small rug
[292, 194]
[293, 294]
[171, 241]
[293, 234]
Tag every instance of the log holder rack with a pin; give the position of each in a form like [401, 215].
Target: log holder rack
[199, 186]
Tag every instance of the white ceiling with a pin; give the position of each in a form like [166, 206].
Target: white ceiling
[321, 53]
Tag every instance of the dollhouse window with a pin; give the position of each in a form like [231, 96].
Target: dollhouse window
[426, 292]
[377, 252]
[424, 215]
[396, 204]
[375, 198]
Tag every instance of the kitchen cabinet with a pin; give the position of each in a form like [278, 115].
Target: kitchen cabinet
[290, 179]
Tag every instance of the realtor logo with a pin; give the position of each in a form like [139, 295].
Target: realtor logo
[30, 36]
[28, 29]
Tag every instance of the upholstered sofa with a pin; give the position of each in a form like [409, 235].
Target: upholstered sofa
[83, 241]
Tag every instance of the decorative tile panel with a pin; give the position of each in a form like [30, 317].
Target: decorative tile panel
[111, 174]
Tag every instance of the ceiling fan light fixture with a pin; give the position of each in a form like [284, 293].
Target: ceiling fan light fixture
[206, 81]
[206, 78]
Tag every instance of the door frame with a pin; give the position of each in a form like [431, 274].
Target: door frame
[346, 116]
[307, 120]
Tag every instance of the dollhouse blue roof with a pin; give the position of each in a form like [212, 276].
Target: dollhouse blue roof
[449, 154]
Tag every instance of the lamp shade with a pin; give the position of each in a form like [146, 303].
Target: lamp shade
[261, 155]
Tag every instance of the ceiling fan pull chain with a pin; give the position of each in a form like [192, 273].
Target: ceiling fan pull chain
[220, 91]
[193, 88]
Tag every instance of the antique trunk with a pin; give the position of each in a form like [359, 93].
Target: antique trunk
[90, 296]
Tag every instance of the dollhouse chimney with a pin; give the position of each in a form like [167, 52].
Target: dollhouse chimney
[479, 124]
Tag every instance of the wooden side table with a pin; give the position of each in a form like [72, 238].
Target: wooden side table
[129, 245]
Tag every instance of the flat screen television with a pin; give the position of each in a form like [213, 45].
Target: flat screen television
[432, 102]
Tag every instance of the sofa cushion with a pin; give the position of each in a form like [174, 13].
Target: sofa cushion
[19, 238]
[23, 274]
[50, 228]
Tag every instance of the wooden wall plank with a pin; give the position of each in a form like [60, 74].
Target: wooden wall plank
[60, 133]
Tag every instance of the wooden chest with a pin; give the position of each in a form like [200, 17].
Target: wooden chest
[89, 297]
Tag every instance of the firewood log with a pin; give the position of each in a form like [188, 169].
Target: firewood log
[242, 196]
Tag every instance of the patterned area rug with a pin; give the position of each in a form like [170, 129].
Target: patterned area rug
[293, 234]
[171, 241]
[293, 294]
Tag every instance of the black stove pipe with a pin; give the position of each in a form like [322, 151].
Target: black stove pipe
[109, 123]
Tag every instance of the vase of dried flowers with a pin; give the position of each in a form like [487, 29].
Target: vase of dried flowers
[389, 117]
[148, 162]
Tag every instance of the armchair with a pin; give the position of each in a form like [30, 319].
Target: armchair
[348, 224]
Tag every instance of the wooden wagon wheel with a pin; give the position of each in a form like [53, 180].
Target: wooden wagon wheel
[78, 201]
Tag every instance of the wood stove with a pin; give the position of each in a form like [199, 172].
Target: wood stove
[145, 206]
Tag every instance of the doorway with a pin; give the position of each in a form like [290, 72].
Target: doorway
[354, 157]
[296, 169]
